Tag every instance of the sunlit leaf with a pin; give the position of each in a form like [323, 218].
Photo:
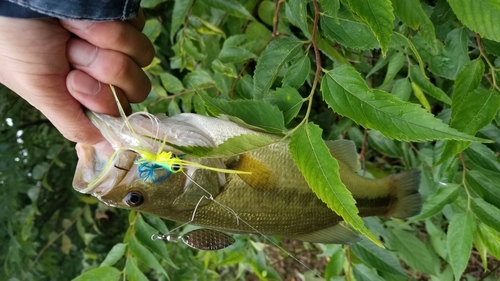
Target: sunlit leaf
[378, 15]
[459, 241]
[320, 169]
[105, 273]
[275, 55]
[347, 93]
[482, 16]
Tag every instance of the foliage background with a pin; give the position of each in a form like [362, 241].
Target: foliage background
[373, 71]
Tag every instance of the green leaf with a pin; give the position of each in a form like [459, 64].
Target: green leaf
[490, 239]
[105, 273]
[329, 51]
[171, 83]
[467, 80]
[347, 93]
[436, 202]
[297, 73]
[362, 273]
[411, 13]
[413, 251]
[143, 254]
[486, 213]
[288, 100]
[419, 94]
[481, 16]
[485, 184]
[320, 169]
[481, 156]
[426, 85]
[225, 69]
[331, 8]
[459, 241]
[231, 7]
[143, 232]
[491, 47]
[253, 112]
[152, 29]
[402, 89]
[297, 11]
[395, 65]
[476, 110]
[378, 15]
[133, 271]
[279, 52]
[378, 258]
[151, 3]
[181, 10]
[115, 254]
[198, 79]
[233, 51]
[240, 144]
[343, 32]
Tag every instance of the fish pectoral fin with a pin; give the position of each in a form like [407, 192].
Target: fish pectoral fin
[345, 152]
[337, 234]
[207, 239]
[260, 177]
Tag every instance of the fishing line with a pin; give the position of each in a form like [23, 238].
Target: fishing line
[168, 237]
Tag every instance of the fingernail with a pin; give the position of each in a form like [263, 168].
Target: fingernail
[77, 24]
[87, 85]
[82, 53]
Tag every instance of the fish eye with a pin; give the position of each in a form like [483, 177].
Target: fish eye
[133, 199]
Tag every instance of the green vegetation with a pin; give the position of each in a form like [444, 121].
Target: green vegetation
[412, 83]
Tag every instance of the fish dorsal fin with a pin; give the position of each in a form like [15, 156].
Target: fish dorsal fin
[345, 152]
[261, 177]
[337, 234]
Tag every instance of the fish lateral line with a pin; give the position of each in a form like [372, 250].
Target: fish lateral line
[221, 242]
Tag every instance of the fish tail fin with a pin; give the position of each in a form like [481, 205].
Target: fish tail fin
[409, 200]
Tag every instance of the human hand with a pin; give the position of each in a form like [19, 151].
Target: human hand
[58, 73]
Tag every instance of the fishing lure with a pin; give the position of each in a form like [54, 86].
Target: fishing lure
[148, 161]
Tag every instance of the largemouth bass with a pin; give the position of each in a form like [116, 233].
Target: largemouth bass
[271, 198]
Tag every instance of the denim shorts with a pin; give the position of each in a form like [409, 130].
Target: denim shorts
[97, 10]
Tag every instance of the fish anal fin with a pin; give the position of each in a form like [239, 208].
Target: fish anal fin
[409, 200]
[261, 177]
[345, 152]
[337, 234]
[207, 239]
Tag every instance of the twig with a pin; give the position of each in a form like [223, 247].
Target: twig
[276, 17]
[53, 240]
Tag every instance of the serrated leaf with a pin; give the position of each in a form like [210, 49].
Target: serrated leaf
[476, 110]
[436, 202]
[395, 65]
[171, 83]
[411, 13]
[459, 241]
[105, 273]
[181, 9]
[343, 32]
[362, 273]
[133, 272]
[491, 47]
[481, 16]
[253, 112]
[240, 144]
[320, 169]
[115, 254]
[275, 55]
[288, 100]
[481, 156]
[231, 7]
[297, 73]
[347, 94]
[413, 251]
[426, 85]
[486, 213]
[467, 80]
[297, 11]
[490, 239]
[328, 50]
[485, 184]
[331, 8]
[378, 258]
[143, 254]
[378, 15]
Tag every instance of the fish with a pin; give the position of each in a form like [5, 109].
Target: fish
[256, 192]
